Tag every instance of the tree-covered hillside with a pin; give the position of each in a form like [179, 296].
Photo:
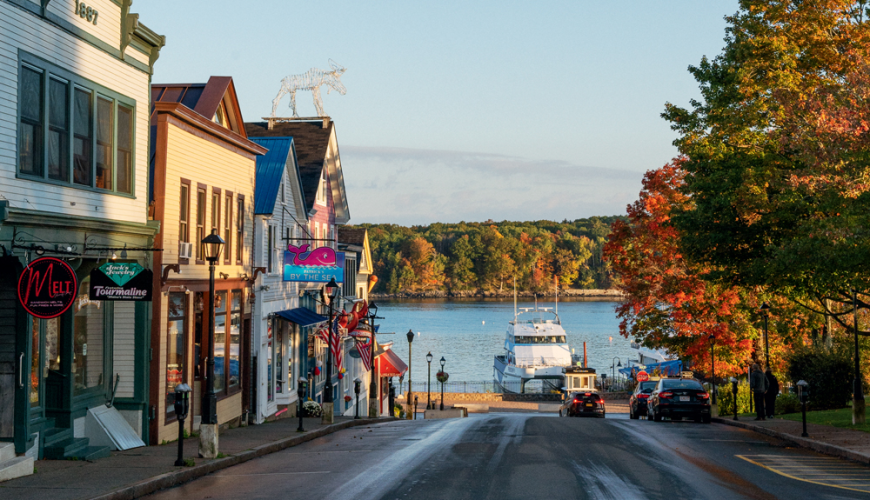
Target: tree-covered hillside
[486, 256]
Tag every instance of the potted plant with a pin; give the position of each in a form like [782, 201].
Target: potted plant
[347, 398]
[442, 377]
[312, 409]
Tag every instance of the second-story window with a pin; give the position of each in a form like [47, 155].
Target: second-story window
[270, 242]
[216, 213]
[240, 229]
[62, 114]
[228, 225]
[183, 214]
[200, 222]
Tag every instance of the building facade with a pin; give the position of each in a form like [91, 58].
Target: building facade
[203, 169]
[74, 186]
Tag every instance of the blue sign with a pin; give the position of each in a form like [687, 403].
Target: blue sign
[316, 266]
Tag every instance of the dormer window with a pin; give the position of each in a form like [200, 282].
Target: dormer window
[321, 190]
[220, 117]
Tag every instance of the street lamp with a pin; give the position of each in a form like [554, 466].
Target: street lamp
[442, 383]
[429, 383]
[410, 340]
[765, 308]
[713, 366]
[330, 290]
[373, 385]
[613, 369]
[858, 415]
[208, 435]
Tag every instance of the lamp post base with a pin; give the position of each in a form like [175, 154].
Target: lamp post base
[373, 408]
[859, 415]
[208, 441]
[328, 416]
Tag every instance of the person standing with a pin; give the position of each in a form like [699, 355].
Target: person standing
[772, 392]
[758, 386]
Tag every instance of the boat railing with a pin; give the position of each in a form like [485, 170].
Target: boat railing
[537, 361]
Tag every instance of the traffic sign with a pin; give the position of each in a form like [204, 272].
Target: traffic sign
[642, 376]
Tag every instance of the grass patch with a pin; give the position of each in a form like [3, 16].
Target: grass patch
[221, 455]
[835, 418]
[189, 462]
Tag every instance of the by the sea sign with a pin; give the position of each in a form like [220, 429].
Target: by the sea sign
[126, 281]
[313, 266]
[47, 287]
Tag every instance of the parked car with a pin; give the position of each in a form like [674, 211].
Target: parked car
[677, 398]
[583, 403]
[637, 402]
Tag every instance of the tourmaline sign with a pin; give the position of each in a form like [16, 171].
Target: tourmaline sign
[47, 287]
[315, 266]
[121, 281]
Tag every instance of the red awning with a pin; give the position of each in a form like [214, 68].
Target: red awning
[390, 365]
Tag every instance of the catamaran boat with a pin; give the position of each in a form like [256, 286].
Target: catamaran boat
[535, 349]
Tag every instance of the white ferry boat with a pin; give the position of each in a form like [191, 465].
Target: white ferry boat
[535, 349]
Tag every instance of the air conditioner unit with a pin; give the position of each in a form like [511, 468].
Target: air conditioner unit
[184, 250]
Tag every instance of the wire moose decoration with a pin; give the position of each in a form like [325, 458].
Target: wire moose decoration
[311, 80]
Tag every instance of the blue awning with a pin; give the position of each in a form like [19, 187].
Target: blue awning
[301, 316]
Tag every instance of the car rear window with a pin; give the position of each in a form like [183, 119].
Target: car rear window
[647, 387]
[682, 384]
[582, 395]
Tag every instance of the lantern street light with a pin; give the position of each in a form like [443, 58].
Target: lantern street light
[208, 435]
[329, 291]
[373, 385]
[765, 312]
[429, 383]
[443, 361]
[712, 339]
[182, 407]
[410, 336]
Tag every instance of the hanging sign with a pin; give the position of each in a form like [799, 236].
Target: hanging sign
[316, 266]
[47, 287]
[121, 281]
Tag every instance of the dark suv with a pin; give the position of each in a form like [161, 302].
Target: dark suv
[637, 401]
[583, 403]
[677, 398]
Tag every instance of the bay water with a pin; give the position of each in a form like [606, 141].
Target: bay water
[468, 333]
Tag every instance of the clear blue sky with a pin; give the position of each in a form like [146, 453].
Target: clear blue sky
[464, 110]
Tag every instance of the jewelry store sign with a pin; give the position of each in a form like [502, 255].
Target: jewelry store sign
[122, 282]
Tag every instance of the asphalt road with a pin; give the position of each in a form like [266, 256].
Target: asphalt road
[528, 456]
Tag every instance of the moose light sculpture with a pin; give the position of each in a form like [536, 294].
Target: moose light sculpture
[311, 80]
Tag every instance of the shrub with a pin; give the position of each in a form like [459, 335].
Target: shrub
[828, 373]
[312, 409]
[726, 398]
[398, 411]
[787, 403]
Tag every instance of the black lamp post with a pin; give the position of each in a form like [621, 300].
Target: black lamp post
[356, 386]
[713, 366]
[443, 361]
[765, 308]
[373, 385]
[415, 407]
[301, 389]
[858, 415]
[410, 336]
[330, 291]
[182, 406]
[429, 383]
[212, 244]
[613, 369]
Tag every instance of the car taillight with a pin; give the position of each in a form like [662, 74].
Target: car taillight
[702, 395]
[666, 395]
[576, 400]
[588, 394]
[642, 396]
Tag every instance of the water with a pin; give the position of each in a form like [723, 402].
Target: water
[468, 333]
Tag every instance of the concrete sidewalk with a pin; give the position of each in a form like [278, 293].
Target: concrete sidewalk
[141, 471]
[836, 441]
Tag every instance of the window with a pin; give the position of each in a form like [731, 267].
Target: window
[227, 340]
[228, 224]
[280, 376]
[220, 340]
[200, 222]
[184, 214]
[270, 393]
[323, 187]
[235, 340]
[216, 212]
[220, 116]
[240, 229]
[88, 339]
[281, 190]
[175, 351]
[59, 111]
[270, 242]
[316, 242]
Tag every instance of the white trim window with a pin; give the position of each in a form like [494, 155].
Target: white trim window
[270, 249]
[322, 187]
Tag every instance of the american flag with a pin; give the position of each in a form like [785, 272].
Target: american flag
[364, 348]
[335, 342]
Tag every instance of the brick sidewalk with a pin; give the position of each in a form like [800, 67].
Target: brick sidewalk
[132, 473]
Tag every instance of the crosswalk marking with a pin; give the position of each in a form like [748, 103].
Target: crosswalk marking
[824, 471]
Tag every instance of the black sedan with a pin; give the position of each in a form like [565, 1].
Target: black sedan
[637, 402]
[583, 403]
[677, 398]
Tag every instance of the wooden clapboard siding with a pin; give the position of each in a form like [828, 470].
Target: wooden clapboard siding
[228, 408]
[124, 349]
[108, 27]
[22, 30]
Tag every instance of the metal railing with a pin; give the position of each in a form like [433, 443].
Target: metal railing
[471, 387]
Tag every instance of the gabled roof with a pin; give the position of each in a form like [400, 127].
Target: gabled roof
[312, 141]
[204, 98]
[270, 173]
[352, 235]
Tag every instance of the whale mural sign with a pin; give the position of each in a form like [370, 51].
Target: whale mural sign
[313, 266]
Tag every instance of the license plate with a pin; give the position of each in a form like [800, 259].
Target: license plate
[684, 398]
[590, 405]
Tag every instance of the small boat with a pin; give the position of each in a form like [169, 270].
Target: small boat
[536, 348]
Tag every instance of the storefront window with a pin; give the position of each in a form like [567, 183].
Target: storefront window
[88, 341]
[279, 358]
[52, 345]
[34, 363]
[235, 339]
[270, 394]
[220, 340]
[198, 305]
[175, 350]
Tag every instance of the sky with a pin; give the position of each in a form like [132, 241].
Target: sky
[464, 111]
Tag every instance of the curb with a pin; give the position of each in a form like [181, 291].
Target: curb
[187, 474]
[825, 448]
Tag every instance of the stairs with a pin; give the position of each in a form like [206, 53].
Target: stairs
[12, 466]
[61, 445]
